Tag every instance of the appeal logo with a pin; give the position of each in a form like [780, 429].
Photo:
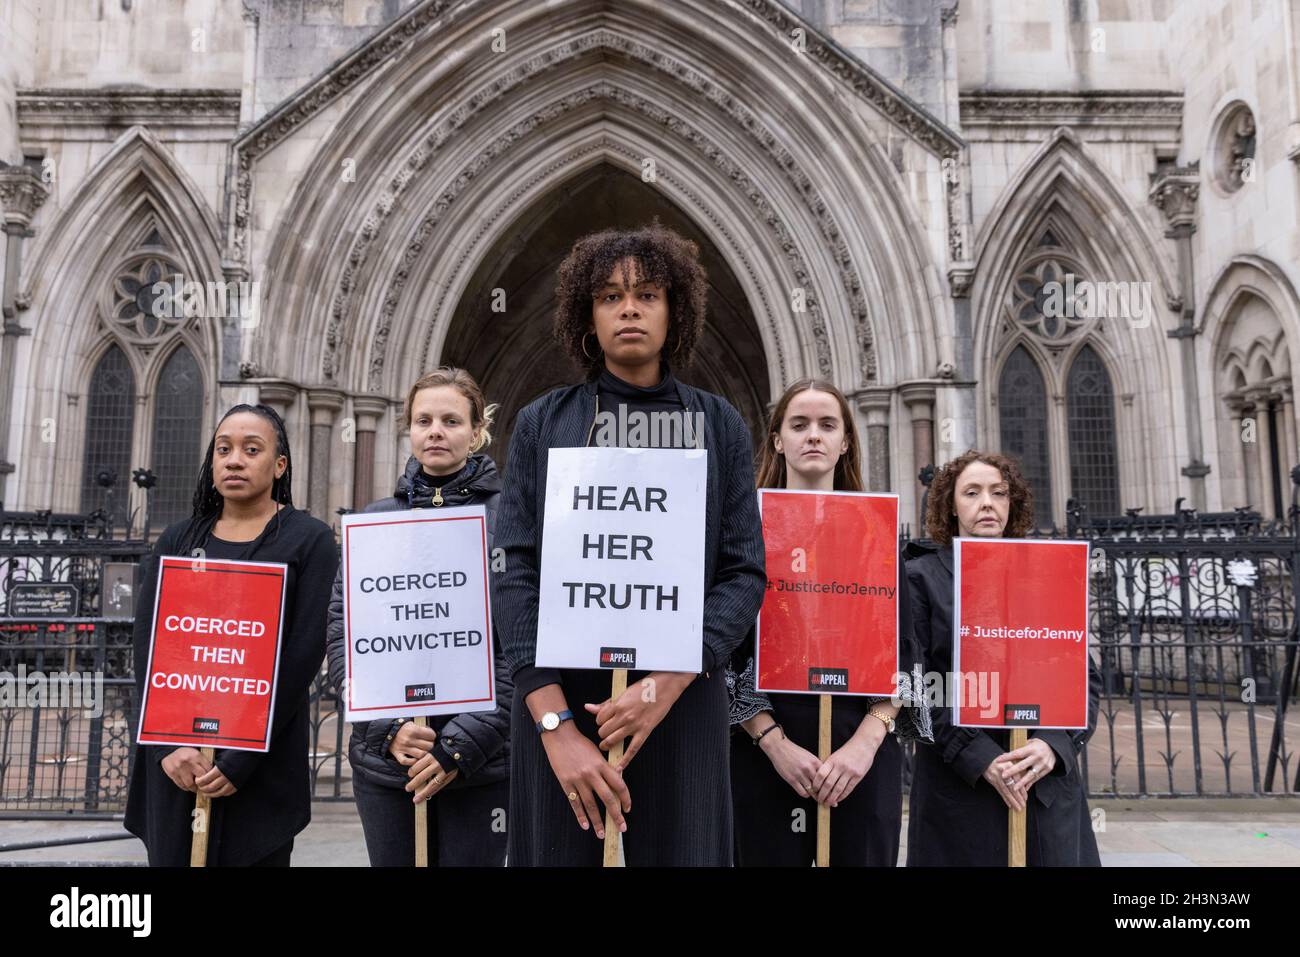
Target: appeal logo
[416, 693]
[1020, 714]
[207, 726]
[618, 657]
[826, 679]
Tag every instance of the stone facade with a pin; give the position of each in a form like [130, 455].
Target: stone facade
[887, 193]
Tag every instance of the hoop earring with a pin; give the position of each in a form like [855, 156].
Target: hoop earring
[584, 347]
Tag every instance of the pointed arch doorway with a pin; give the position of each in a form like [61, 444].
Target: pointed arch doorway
[512, 353]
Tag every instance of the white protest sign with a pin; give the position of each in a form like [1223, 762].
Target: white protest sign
[416, 614]
[622, 579]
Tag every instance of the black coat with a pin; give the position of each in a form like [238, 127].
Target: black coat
[734, 576]
[475, 744]
[955, 816]
[273, 800]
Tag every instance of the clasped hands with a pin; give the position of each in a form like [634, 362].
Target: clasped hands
[831, 781]
[412, 746]
[189, 770]
[1012, 774]
[584, 773]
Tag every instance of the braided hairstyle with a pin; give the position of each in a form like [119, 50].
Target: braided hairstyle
[208, 500]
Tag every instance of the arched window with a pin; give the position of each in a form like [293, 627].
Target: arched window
[1090, 410]
[177, 430]
[1022, 412]
[110, 408]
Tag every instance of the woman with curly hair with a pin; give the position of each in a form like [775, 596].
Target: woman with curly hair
[629, 303]
[963, 784]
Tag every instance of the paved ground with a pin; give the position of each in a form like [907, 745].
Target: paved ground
[1184, 832]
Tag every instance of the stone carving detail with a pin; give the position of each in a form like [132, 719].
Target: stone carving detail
[126, 107]
[1050, 108]
[904, 113]
[1234, 148]
[21, 194]
[1174, 192]
[470, 247]
[598, 39]
[136, 304]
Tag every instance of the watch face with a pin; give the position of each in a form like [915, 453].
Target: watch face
[550, 721]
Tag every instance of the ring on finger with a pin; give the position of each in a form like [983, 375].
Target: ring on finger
[573, 795]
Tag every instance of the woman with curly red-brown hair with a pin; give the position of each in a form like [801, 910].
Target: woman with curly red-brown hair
[963, 784]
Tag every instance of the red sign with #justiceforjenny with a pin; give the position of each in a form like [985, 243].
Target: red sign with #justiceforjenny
[214, 654]
[1020, 633]
[829, 622]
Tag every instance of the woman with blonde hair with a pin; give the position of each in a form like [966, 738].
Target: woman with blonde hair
[462, 759]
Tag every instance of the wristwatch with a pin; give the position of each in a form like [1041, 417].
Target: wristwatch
[550, 721]
[889, 722]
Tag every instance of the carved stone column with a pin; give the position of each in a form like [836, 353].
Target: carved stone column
[367, 409]
[919, 399]
[1264, 444]
[1174, 190]
[325, 405]
[1250, 454]
[873, 407]
[279, 395]
[21, 194]
[1286, 425]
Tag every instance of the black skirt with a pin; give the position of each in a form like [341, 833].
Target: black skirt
[777, 828]
[679, 783]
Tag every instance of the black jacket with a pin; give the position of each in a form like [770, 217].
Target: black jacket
[956, 817]
[733, 537]
[273, 801]
[476, 744]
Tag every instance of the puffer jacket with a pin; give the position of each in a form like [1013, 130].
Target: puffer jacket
[476, 744]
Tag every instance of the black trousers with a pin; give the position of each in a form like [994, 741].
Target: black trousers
[679, 783]
[777, 828]
[467, 826]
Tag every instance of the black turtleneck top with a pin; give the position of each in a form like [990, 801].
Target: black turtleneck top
[612, 393]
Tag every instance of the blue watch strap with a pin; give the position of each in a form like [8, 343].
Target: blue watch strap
[565, 715]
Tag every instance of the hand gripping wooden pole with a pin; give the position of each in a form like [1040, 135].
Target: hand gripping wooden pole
[202, 823]
[823, 752]
[1016, 819]
[617, 687]
[422, 819]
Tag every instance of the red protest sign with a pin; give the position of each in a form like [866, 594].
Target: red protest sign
[829, 622]
[213, 654]
[1020, 633]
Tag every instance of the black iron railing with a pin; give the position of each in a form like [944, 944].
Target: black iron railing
[1193, 625]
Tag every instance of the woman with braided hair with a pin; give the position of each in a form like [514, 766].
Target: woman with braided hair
[243, 510]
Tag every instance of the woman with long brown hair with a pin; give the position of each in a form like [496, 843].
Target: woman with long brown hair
[963, 785]
[811, 444]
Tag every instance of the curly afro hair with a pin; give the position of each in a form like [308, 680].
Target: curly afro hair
[659, 255]
[940, 520]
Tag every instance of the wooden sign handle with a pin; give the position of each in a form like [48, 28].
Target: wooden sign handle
[823, 752]
[422, 819]
[1016, 819]
[617, 686]
[203, 817]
